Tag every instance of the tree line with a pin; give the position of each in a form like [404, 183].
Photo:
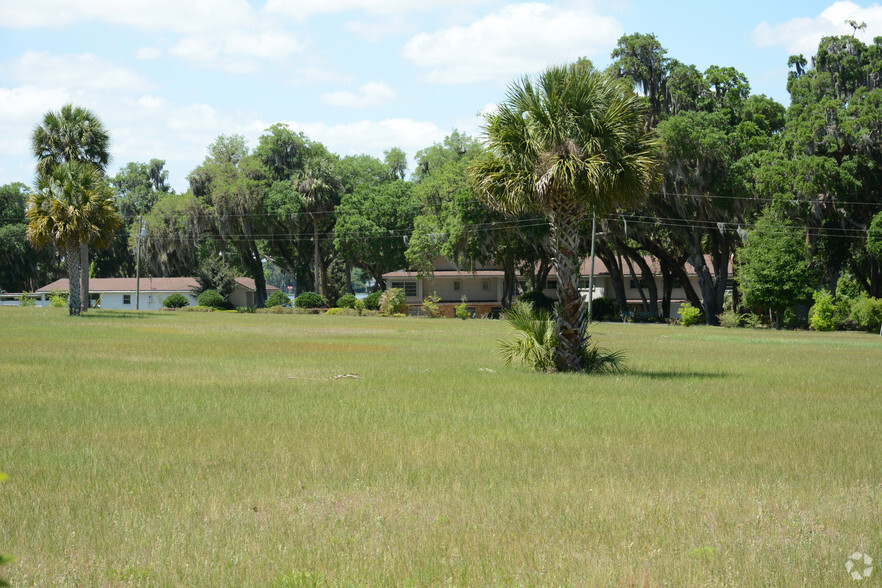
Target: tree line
[783, 200]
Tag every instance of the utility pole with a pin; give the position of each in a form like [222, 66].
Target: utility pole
[138, 264]
[591, 275]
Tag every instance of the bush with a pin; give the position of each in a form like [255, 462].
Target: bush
[603, 309]
[57, 299]
[341, 311]
[372, 301]
[359, 306]
[822, 313]
[275, 310]
[867, 314]
[310, 300]
[689, 315]
[277, 298]
[393, 301]
[537, 300]
[176, 300]
[245, 309]
[211, 299]
[532, 342]
[753, 321]
[730, 319]
[26, 300]
[462, 311]
[197, 309]
[346, 301]
[430, 306]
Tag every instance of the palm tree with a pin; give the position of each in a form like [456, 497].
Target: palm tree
[72, 206]
[572, 144]
[533, 340]
[321, 190]
[72, 134]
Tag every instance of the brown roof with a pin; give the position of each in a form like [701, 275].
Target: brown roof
[248, 284]
[147, 285]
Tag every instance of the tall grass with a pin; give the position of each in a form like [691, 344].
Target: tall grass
[220, 449]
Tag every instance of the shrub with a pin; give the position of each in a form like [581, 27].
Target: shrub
[538, 300]
[462, 311]
[603, 309]
[532, 342]
[310, 300]
[245, 309]
[211, 299]
[393, 301]
[277, 298]
[359, 306]
[197, 309]
[346, 301]
[867, 314]
[341, 311]
[689, 315]
[176, 300]
[730, 319]
[275, 310]
[372, 301]
[753, 321]
[430, 306]
[57, 299]
[26, 300]
[822, 313]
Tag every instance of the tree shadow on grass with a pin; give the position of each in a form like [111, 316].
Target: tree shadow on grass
[116, 314]
[676, 374]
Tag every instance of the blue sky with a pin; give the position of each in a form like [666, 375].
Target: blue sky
[168, 76]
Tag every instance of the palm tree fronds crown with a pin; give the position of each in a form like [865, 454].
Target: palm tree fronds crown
[574, 134]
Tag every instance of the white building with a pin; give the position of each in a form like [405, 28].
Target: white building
[120, 293]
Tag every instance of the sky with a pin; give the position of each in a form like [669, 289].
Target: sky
[167, 77]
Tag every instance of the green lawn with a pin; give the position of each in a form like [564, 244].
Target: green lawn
[218, 449]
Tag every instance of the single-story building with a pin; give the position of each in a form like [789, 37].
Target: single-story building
[120, 293]
[482, 287]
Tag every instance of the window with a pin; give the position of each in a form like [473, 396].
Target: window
[409, 288]
[127, 298]
[675, 283]
[641, 282]
[551, 285]
[485, 285]
[457, 285]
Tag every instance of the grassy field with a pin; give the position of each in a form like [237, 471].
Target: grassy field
[220, 450]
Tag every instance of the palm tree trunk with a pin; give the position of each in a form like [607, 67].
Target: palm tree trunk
[570, 325]
[85, 299]
[73, 278]
[317, 261]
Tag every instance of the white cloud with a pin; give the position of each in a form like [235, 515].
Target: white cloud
[374, 137]
[370, 94]
[20, 110]
[184, 17]
[222, 34]
[85, 71]
[236, 51]
[148, 53]
[802, 35]
[375, 29]
[306, 8]
[517, 39]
